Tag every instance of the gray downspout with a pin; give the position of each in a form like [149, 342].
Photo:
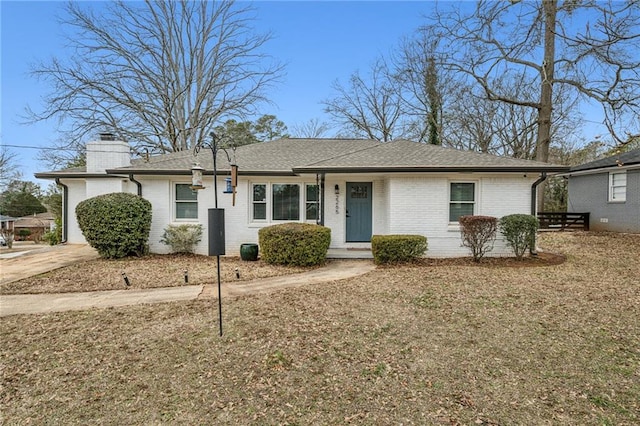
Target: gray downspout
[534, 199]
[322, 203]
[65, 209]
[139, 185]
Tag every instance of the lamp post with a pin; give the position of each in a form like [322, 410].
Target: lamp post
[216, 215]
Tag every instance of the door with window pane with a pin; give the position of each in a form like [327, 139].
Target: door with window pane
[358, 212]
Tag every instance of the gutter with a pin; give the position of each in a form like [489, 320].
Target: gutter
[65, 208]
[432, 169]
[534, 192]
[138, 184]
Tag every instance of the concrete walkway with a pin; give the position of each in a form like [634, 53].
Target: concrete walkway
[58, 302]
[19, 265]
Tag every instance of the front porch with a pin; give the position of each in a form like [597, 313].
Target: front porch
[349, 253]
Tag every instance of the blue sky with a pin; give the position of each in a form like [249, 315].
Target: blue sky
[319, 41]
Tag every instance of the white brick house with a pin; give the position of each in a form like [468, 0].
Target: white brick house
[357, 188]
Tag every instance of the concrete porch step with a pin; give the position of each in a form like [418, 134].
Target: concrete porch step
[349, 253]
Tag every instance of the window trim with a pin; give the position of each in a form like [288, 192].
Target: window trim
[612, 187]
[474, 203]
[175, 201]
[267, 194]
[306, 202]
[271, 204]
[302, 201]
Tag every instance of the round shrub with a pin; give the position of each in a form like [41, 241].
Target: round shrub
[520, 232]
[397, 248]
[116, 225]
[298, 244]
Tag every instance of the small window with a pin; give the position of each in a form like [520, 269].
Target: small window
[186, 202]
[461, 200]
[259, 202]
[286, 202]
[618, 187]
[311, 202]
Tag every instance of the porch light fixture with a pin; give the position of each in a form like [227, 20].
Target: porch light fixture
[337, 189]
[216, 215]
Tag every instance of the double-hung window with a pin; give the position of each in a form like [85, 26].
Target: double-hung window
[311, 202]
[461, 200]
[186, 201]
[618, 187]
[259, 202]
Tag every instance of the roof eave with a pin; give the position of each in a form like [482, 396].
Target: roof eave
[436, 169]
[183, 172]
[77, 175]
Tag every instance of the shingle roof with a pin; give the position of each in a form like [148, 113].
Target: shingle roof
[626, 158]
[294, 156]
[403, 155]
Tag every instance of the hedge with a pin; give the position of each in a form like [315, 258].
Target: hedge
[299, 244]
[397, 248]
[116, 224]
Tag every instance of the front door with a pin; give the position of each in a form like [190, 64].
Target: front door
[358, 212]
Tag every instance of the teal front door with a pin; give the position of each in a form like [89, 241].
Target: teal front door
[358, 212]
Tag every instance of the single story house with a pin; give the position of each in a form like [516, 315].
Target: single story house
[608, 189]
[357, 188]
[36, 225]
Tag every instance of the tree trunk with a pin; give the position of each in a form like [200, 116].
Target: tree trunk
[550, 8]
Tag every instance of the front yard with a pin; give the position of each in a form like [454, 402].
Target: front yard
[436, 343]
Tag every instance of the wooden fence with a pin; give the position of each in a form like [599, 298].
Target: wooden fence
[560, 221]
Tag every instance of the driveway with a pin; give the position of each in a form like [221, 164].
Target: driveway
[19, 265]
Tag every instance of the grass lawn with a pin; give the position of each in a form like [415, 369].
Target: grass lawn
[422, 344]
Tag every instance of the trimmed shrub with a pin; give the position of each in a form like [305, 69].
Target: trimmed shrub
[478, 233]
[397, 248]
[23, 234]
[116, 225]
[54, 236]
[182, 238]
[299, 244]
[520, 232]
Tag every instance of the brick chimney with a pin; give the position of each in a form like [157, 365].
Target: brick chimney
[107, 153]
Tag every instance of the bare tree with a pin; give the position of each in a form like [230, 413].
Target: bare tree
[312, 128]
[158, 74]
[588, 47]
[369, 107]
[8, 167]
[423, 86]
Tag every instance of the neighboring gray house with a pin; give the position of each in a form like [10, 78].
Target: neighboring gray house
[608, 189]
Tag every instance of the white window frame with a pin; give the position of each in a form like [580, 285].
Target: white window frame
[306, 202]
[265, 202]
[474, 203]
[302, 187]
[175, 201]
[613, 185]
